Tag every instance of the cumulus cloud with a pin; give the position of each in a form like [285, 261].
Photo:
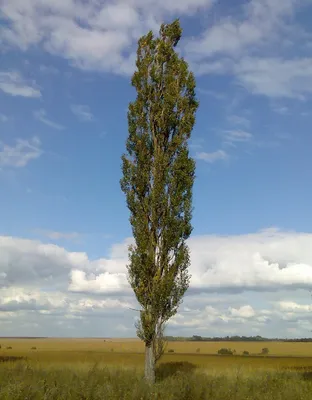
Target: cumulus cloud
[93, 34]
[229, 276]
[243, 320]
[241, 45]
[264, 261]
[102, 36]
[260, 23]
[12, 83]
[105, 282]
[20, 154]
[19, 299]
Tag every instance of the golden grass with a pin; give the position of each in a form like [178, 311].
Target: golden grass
[130, 352]
[281, 349]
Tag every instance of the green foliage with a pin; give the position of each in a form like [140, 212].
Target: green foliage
[225, 351]
[245, 353]
[265, 351]
[158, 177]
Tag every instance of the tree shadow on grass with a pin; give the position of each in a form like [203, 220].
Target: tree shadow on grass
[166, 370]
[304, 372]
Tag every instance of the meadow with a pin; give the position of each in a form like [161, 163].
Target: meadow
[113, 369]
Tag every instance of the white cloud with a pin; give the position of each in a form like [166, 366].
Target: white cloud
[82, 112]
[242, 46]
[41, 116]
[105, 282]
[11, 82]
[242, 312]
[91, 35]
[21, 154]
[229, 276]
[263, 261]
[243, 320]
[276, 77]
[103, 36]
[260, 23]
[212, 157]
[236, 136]
[19, 299]
[291, 306]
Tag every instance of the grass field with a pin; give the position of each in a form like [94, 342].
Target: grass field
[65, 369]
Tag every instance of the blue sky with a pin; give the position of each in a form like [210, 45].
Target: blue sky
[64, 90]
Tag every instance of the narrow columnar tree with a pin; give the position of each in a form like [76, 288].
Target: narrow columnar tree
[158, 177]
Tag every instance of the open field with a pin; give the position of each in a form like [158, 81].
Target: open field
[291, 349]
[130, 352]
[113, 369]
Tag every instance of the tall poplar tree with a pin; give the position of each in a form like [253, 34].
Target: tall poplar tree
[158, 177]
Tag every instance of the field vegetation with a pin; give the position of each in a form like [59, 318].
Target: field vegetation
[113, 369]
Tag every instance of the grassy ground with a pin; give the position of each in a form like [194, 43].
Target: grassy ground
[65, 369]
[21, 381]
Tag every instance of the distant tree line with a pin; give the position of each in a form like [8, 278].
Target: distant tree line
[197, 338]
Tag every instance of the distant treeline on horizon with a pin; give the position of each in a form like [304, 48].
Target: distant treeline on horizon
[196, 338]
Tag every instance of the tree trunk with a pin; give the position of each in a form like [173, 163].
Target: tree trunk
[149, 364]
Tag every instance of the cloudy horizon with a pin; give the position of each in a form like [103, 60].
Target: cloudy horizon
[255, 284]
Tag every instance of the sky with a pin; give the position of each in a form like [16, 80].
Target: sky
[65, 70]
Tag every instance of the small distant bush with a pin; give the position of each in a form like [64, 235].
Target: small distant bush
[245, 353]
[112, 350]
[265, 351]
[198, 350]
[9, 348]
[170, 351]
[225, 351]
[34, 348]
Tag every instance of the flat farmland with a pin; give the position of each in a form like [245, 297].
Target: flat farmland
[130, 352]
[94, 369]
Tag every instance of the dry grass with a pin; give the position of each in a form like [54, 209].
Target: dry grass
[65, 369]
[130, 352]
[136, 346]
